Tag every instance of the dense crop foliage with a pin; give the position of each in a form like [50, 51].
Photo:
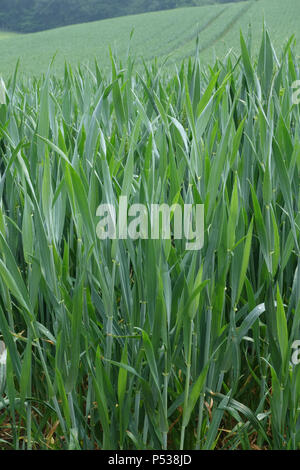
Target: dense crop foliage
[123, 344]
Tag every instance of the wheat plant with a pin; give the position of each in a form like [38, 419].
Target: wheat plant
[140, 344]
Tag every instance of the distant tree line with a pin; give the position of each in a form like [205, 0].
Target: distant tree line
[37, 15]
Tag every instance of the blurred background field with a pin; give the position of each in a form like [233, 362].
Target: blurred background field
[167, 35]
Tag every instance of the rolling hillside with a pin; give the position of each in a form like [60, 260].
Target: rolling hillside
[7, 34]
[30, 16]
[163, 34]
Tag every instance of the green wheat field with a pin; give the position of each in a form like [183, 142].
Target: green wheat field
[140, 344]
[165, 35]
